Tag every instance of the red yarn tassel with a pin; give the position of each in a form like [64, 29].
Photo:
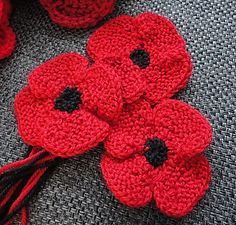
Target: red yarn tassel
[19, 181]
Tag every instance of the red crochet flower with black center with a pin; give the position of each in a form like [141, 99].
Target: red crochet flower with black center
[157, 153]
[147, 53]
[78, 13]
[7, 36]
[66, 106]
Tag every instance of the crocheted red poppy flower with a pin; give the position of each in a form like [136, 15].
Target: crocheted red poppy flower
[66, 106]
[158, 153]
[7, 36]
[148, 54]
[78, 14]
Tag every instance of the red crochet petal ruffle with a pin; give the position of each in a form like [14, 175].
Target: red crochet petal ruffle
[62, 134]
[66, 107]
[102, 92]
[116, 37]
[133, 83]
[151, 54]
[78, 14]
[128, 135]
[129, 180]
[50, 78]
[101, 89]
[185, 131]
[69, 135]
[28, 110]
[178, 187]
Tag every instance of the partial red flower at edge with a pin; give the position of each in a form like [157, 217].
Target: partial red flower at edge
[147, 53]
[7, 36]
[66, 107]
[158, 153]
[78, 14]
[5, 11]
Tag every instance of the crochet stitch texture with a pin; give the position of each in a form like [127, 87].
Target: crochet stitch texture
[67, 106]
[147, 53]
[154, 145]
[155, 149]
[7, 36]
[158, 153]
[78, 13]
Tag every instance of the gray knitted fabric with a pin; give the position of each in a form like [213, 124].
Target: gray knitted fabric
[76, 192]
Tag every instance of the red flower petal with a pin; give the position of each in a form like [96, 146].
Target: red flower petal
[125, 33]
[129, 180]
[170, 65]
[157, 30]
[179, 187]
[50, 78]
[129, 135]
[7, 41]
[5, 11]
[117, 37]
[61, 133]
[169, 71]
[133, 84]
[68, 135]
[101, 90]
[185, 131]
[78, 14]
[28, 110]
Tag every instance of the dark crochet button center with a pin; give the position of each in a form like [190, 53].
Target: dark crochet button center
[69, 100]
[156, 154]
[140, 58]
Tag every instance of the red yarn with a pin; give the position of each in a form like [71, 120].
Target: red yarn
[21, 190]
[63, 133]
[78, 13]
[146, 52]
[69, 107]
[5, 11]
[7, 36]
[183, 175]
[24, 216]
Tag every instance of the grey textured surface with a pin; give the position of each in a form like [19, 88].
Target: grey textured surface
[76, 193]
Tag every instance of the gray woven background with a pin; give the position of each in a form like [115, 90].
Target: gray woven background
[76, 193]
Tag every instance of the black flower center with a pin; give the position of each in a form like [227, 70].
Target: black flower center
[69, 100]
[156, 154]
[140, 58]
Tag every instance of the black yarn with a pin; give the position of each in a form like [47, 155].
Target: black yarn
[33, 192]
[22, 174]
[69, 100]
[4, 189]
[30, 148]
[156, 154]
[21, 169]
[7, 206]
[140, 58]
[30, 170]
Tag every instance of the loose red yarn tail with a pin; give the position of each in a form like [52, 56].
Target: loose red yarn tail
[20, 180]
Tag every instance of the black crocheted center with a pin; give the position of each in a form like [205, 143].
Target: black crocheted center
[156, 154]
[140, 58]
[69, 100]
